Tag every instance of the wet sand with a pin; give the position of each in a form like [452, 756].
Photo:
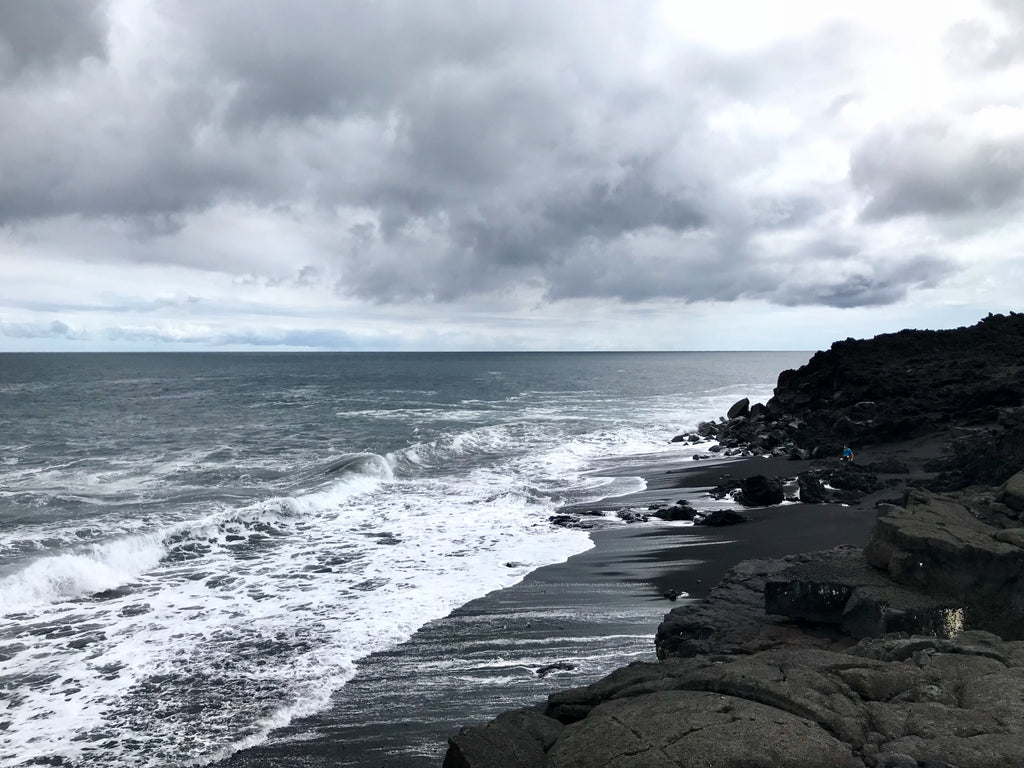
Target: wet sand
[593, 613]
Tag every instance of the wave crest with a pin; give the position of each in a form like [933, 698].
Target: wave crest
[103, 566]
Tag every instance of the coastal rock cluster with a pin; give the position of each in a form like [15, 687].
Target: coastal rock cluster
[893, 387]
[905, 653]
[908, 652]
[889, 703]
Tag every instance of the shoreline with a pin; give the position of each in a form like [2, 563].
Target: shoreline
[584, 617]
[870, 656]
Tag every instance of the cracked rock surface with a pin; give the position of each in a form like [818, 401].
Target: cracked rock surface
[691, 729]
[884, 703]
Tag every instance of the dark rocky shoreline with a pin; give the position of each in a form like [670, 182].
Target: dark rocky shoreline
[906, 652]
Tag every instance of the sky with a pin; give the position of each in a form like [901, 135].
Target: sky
[506, 175]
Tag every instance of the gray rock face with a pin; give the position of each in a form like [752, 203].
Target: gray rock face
[1012, 494]
[885, 702]
[518, 739]
[847, 482]
[695, 729]
[732, 619]
[839, 587]
[934, 543]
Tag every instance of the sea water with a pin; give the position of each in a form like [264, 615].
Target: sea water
[198, 548]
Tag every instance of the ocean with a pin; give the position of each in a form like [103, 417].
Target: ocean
[197, 549]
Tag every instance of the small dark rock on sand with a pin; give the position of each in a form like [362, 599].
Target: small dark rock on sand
[681, 510]
[720, 517]
[760, 491]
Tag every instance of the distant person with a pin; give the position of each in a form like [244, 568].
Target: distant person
[847, 454]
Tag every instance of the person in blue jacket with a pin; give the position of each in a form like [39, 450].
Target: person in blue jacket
[847, 454]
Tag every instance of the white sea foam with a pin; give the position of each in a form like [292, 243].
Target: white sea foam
[358, 564]
[118, 562]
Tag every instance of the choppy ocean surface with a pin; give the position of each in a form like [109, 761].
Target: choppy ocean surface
[198, 548]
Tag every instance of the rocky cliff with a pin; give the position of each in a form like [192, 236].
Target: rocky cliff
[966, 383]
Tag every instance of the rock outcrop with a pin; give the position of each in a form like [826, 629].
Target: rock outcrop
[892, 387]
[883, 703]
[935, 543]
[908, 652]
[760, 491]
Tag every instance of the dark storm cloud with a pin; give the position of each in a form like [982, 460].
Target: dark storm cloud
[47, 34]
[314, 59]
[619, 273]
[879, 281]
[605, 209]
[928, 169]
[453, 149]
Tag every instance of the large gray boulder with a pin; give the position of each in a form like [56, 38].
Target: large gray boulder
[839, 587]
[1012, 492]
[696, 729]
[739, 408]
[760, 491]
[934, 543]
[836, 482]
[732, 620]
[517, 739]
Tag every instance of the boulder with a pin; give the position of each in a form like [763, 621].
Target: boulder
[681, 510]
[876, 611]
[720, 517]
[731, 619]
[836, 482]
[1012, 492]
[695, 729]
[812, 489]
[889, 466]
[760, 491]
[935, 543]
[827, 451]
[839, 587]
[707, 429]
[631, 516]
[848, 476]
[518, 739]
[739, 408]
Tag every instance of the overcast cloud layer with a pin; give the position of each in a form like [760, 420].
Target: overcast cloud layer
[505, 175]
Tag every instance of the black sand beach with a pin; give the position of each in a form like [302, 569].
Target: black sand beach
[926, 413]
[587, 616]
